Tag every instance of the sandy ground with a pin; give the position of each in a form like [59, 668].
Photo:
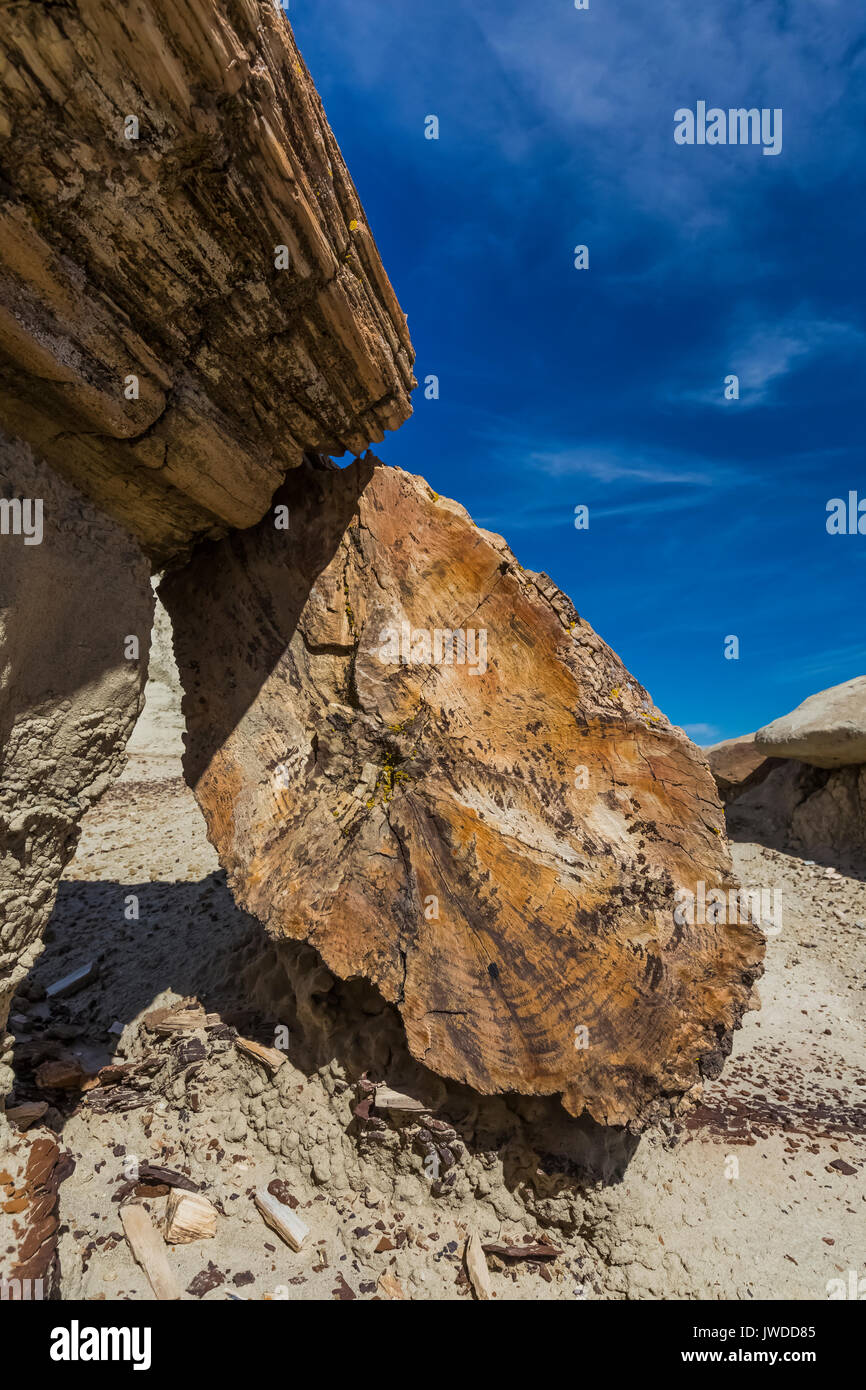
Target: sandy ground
[740, 1201]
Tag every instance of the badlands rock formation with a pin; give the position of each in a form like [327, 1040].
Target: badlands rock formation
[827, 730]
[807, 793]
[70, 692]
[190, 305]
[190, 296]
[156, 746]
[733, 762]
[415, 755]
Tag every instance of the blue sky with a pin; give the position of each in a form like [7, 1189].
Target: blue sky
[605, 387]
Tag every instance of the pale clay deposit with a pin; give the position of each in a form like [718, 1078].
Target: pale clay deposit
[355, 972]
[672, 1224]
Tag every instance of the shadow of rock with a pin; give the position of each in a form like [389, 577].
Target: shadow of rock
[191, 940]
[815, 813]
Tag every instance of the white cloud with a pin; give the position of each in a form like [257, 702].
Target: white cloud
[608, 466]
[701, 733]
[762, 355]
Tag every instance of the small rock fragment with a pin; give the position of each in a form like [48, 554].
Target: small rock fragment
[476, 1268]
[76, 980]
[189, 1216]
[281, 1218]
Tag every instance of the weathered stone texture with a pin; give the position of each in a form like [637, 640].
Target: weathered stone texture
[816, 812]
[498, 851]
[155, 257]
[68, 695]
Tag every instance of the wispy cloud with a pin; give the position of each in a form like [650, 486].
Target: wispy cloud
[608, 465]
[811, 664]
[763, 354]
[606, 388]
[701, 733]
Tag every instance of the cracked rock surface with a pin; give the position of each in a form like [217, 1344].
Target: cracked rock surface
[152, 251]
[494, 841]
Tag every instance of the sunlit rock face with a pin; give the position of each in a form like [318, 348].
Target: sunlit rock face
[415, 755]
[190, 295]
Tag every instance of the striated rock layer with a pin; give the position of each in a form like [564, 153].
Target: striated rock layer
[495, 840]
[155, 257]
[70, 692]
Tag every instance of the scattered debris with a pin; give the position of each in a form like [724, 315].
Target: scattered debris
[280, 1189]
[842, 1167]
[476, 1268]
[154, 1182]
[189, 1216]
[141, 1189]
[281, 1217]
[343, 1292]
[151, 1173]
[390, 1286]
[148, 1250]
[125, 1086]
[269, 1056]
[206, 1281]
[70, 984]
[179, 1018]
[66, 1075]
[541, 1251]
[22, 1116]
[388, 1099]
[128, 1073]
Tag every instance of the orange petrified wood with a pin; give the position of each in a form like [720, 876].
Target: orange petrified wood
[415, 755]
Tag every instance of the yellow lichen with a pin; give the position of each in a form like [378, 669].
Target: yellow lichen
[390, 778]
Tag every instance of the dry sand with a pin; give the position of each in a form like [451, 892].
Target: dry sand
[738, 1200]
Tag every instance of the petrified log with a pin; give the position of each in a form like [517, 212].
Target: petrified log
[175, 209]
[415, 755]
[190, 297]
[31, 1171]
[71, 688]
